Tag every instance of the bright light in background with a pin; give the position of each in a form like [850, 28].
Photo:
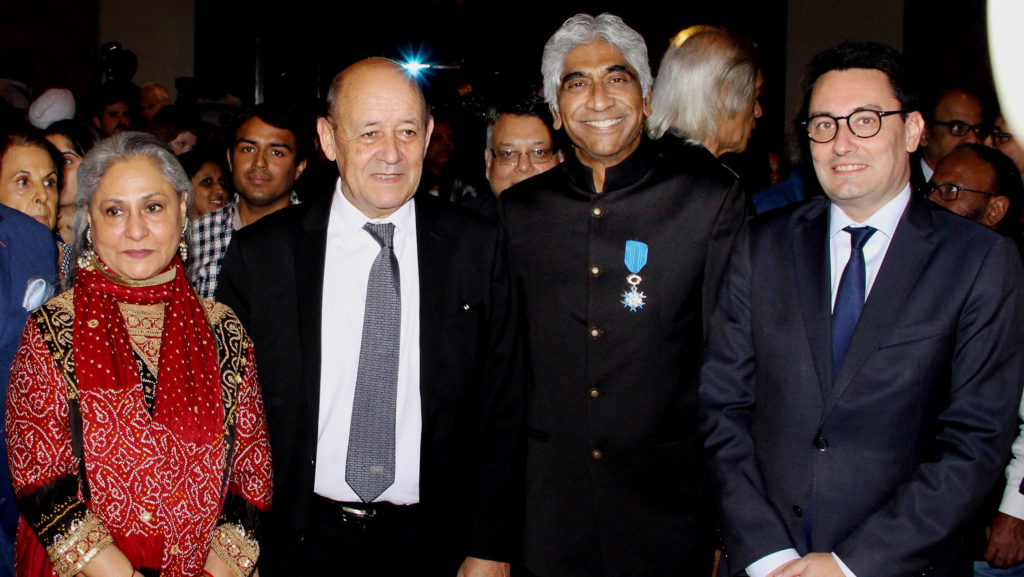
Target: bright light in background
[1005, 46]
[414, 61]
[414, 67]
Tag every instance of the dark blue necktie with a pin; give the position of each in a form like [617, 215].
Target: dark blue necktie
[849, 296]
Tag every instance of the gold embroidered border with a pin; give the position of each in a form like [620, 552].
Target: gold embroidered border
[70, 553]
[235, 549]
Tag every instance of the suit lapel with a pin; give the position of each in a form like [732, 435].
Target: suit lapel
[810, 241]
[310, 253]
[904, 261]
[432, 261]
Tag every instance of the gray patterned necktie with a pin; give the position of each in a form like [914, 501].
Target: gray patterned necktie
[370, 467]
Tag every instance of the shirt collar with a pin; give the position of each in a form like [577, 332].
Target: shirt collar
[622, 175]
[884, 220]
[350, 219]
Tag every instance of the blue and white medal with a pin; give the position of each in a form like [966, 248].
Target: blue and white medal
[636, 258]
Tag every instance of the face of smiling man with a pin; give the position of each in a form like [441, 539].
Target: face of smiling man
[377, 134]
[601, 106]
[858, 174]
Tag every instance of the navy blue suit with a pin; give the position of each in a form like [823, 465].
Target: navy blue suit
[899, 450]
[27, 253]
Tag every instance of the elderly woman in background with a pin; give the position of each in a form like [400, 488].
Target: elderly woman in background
[135, 427]
[31, 180]
[707, 90]
[72, 139]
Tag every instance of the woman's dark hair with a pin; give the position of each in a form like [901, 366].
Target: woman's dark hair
[82, 136]
[170, 121]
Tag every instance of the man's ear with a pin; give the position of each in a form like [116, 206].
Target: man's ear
[326, 132]
[557, 123]
[914, 127]
[426, 139]
[996, 210]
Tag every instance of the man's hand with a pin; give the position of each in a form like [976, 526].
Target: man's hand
[811, 565]
[476, 567]
[1005, 541]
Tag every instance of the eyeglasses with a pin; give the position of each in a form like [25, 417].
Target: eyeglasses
[999, 136]
[950, 192]
[959, 128]
[862, 123]
[511, 157]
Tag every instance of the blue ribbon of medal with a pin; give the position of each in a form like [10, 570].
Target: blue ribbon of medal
[635, 259]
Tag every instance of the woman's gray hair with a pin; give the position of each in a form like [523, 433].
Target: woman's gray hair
[708, 74]
[108, 152]
[583, 29]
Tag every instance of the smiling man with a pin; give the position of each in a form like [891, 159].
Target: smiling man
[384, 328]
[268, 156]
[863, 365]
[618, 252]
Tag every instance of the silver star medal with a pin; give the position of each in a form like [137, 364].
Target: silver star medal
[635, 259]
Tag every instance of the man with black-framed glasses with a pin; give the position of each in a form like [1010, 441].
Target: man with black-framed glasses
[979, 183]
[952, 117]
[863, 364]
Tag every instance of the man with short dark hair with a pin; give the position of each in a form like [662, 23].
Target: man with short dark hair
[267, 157]
[863, 367]
[618, 252]
[384, 331]
[520, 143]
[113, 112]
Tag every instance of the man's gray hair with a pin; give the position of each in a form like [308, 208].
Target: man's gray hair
[583, 29]
[108, 152]
[708, 74]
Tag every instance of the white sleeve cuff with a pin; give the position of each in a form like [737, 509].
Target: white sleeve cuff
[764, 566]
[842, 566]
[1013, 502]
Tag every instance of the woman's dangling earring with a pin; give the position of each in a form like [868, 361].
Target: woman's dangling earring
[182, 245]
[85, 259]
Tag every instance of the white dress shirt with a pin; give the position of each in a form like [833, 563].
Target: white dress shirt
[1013, 502]
[926, 170]
[884, 220]
[349, 255]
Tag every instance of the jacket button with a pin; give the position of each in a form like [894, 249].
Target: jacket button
[595, 333]
[595, 392]
[798, 511]
[821, 443]
[596, 455]
[596, 212]
[595, 271]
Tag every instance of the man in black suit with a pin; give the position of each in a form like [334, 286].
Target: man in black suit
[858, 438]
[306, 284]
[618, 253]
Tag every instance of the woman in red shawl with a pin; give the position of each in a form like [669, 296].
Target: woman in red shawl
[135, 427]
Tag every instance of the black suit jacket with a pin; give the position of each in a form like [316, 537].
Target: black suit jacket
[616, 479]
[899, 451]
[471, 439]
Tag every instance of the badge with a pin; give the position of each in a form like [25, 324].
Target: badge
[636, 258]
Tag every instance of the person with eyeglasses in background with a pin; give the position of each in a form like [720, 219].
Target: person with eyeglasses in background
[520, 143]
[952, 117]
[862, 371]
